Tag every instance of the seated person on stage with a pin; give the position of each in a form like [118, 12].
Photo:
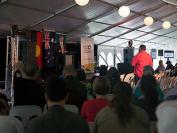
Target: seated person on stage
[148, 70]
[149, 100]
[169, 65]
[91, 107]
[121, 116]
[161, 67]
[57, 119]
[26, 89]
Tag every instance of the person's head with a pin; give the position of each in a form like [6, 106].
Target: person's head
[142, 48]
[167, 117]
[55, 90]
[130, 43]
[148, 70]
[160, 63]
[168, 62]
[69, 71]
[113, 75]
[101, 85]
[121, 102]
[81, 75]
[4, 107]
[103, 70]
[149, 88]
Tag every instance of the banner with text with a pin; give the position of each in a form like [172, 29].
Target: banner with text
[87, 54]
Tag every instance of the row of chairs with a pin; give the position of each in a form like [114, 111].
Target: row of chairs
[28, 112]
[129, 78]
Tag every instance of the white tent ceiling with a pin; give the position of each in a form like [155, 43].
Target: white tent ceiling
[99, 19]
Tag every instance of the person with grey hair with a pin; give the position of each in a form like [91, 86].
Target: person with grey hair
[167, 117]
[90, 108]
[26, 90]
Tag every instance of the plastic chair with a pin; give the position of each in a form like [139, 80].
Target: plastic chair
[68, 107]
[25, 113]
[91, 126]
[10, 125]
[71, 108]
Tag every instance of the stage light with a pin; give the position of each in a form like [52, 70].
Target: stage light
[166, 25]
[124, 11]
[148, 21]
[82, 2]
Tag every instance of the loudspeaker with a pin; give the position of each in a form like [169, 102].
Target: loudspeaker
[128, 55]
[160, 52]
[124, 68]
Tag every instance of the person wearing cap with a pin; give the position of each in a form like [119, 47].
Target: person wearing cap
[121, 116]
[167, 117]
[90, 108]
[169, 65]
[140, 60]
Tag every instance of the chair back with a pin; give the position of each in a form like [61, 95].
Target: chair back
[71, 108]
[25, 113]
[68, 107]
[10, 125]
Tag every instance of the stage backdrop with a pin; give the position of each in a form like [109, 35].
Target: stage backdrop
[87, 54]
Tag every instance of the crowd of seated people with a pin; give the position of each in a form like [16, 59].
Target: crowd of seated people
[130, 110]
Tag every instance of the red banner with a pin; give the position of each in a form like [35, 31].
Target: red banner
[39, 50]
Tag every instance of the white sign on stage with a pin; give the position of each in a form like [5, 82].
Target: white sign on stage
[87, 54]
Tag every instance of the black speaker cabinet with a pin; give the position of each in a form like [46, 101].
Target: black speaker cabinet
[160, 52]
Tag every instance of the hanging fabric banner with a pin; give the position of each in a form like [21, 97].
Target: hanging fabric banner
[49, 49]
[87, 54]
[39, 50]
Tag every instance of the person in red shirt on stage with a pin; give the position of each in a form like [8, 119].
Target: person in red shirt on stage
[90, 108]
[140, 60]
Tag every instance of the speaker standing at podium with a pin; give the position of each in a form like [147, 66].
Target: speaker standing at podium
[141, 60]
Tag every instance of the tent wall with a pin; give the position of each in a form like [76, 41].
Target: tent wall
[119, 50]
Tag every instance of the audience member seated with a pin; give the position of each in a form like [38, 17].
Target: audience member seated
[103, 70]
[171, 94]
[57, 119]
[149, 100]
[121, 116]
[8, 124]
[169, 65]
[161, 66]
[114, 77]
[80, 75]
[77, 90]
[26, 90]
[91, 107]
[4, 107]
[167, 117]
[148, 70]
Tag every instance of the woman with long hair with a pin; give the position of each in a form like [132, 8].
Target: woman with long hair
[149, 100]
[121, 116]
